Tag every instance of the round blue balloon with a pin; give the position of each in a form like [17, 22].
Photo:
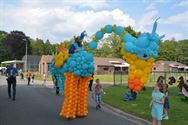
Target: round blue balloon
[78, 59]
[153, 46]
[142, 42]
[119, 30]
[128, 46]
[127, 38]
[85, 66]
[77, 72]
[155, 38]
[99, 35]
[108, 28]
[72, 63]
[93, 45]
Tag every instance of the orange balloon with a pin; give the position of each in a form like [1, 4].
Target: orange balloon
[131, 86]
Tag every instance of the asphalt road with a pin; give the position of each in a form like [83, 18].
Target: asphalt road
[38, 105]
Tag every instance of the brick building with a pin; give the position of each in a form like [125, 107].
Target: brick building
[44, 64]
[169, 66]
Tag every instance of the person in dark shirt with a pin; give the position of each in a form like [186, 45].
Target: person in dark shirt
[11, 73]
[55, 81]
[91, 82]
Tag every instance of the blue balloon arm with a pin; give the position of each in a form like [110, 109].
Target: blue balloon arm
[83, 34]
[155, 26]
[161, 37]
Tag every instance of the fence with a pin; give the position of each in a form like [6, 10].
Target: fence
[121, 77]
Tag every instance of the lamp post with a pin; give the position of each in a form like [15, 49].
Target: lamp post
[25, 54]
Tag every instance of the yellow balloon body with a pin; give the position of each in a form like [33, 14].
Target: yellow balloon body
[139, 69]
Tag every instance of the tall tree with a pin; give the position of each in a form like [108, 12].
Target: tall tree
[15, 42]
[3, 50]
[167, 50]
[182, 51]
[111, 44]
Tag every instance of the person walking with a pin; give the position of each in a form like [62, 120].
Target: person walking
[91, 82]
[98, 92]
[44, 78]
[29, 77]
[33, 77]
[55, 81]
[11, 73]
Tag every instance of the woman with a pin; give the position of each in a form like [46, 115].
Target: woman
[157, 104]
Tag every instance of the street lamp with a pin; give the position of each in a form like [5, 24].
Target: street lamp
[25, 54]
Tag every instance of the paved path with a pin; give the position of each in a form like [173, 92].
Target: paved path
[38, 105]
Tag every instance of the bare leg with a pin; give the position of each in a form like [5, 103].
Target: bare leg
[165, 112]
[154, 122]
[158, 122]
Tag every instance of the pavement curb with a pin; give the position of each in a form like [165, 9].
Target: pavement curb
[135, 119]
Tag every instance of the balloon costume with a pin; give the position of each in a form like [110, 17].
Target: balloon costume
[75, 65]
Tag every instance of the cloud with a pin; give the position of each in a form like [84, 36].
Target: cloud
[177, 36]
[147, 19]
[60, 23]
[89, 3]
[182, 3]
[155, 1]
[180, 19]
[150, 7]
[58, 3]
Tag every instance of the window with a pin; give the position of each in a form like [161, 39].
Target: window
[105, 68]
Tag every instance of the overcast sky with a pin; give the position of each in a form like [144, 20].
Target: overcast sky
[58, 20]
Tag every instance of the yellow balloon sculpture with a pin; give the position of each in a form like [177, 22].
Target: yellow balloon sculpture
[138, 52]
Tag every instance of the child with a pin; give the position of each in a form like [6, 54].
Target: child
[130, 95]
[33, 77]
[44, 78]
[180, 84]
[98, 92]
[157, 104]
[166, 101]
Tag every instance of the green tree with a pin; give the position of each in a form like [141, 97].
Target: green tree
[38, 46]
[167, 50]
[15, 44]
[182, 51]
[112, 44]
[3, 49]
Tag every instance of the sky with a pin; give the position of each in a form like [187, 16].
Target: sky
[59, 20]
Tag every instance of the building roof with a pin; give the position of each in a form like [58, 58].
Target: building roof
[46, 58]
[102, 61]
[12, 61]
[169, 63]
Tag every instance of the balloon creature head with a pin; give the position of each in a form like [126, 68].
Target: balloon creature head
[80, 38]
[145, 46]
[138, 52]
[80, 63]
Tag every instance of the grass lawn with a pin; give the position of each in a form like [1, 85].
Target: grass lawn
[178, 113]
[40, 77]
